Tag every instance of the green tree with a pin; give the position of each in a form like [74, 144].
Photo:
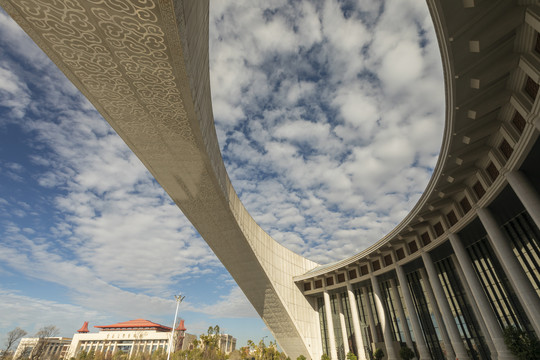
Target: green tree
[351, 356]
[406, 353]
[301, 357]
[244, 352]
[378, 354]
[521, 344]
[325, 357]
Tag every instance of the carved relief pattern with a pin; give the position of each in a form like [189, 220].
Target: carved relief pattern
[118, 51]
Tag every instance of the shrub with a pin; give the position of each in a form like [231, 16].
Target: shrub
[406, 353]
[378, 354]
[351, 356]
[521, 344]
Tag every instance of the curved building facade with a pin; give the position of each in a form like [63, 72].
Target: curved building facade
[465, 262]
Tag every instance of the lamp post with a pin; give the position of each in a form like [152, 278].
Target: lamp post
[178, 299]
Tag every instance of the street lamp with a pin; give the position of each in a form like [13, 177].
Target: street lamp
[178, 299]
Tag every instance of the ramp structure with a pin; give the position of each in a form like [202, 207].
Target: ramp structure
[144, 66]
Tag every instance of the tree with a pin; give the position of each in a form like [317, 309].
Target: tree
[13, 337]
[521, 344]
[325, 357]
[378, 354]
[244, 352]
[406, 353]
[351, 356]
[42, 335]
[301, 357]
[210, 344]
[235, 355]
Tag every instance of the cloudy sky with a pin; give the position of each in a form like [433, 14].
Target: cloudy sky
[329, 116]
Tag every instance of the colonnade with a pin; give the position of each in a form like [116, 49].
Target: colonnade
[460, 337]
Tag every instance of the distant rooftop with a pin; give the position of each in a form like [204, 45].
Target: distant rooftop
[137, 324]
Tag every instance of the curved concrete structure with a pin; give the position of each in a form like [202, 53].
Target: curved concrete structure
[460, 267]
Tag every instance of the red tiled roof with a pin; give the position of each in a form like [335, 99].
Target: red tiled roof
[84, 328]
[181, 326]
[135, 324]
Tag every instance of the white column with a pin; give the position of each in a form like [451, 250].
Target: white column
[330, 326]
[479, 296]
[522, 286]
[401, 313]
[385, 322]
[371, 319]
[449, 321]
[344, 335]
[526, 193]
[415, 323]
[450, 355]
[356, 324]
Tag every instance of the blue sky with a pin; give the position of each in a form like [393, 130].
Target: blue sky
[329, 116]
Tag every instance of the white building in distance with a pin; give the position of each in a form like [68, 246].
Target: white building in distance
[130, 337]
[51, 348]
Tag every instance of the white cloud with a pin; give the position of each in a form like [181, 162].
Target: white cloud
[231, 305]
[13, 94]
[322, 116]
[31, 314]
[344, 138]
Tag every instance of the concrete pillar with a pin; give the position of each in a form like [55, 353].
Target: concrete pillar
[526, 193]
[356, 324]
[450, 354]
[415, 323]
[371, 319]
[384, 320]
[449, 321]
[401, 314]
[344, 335]
[522, 286]
[330, 326]
[479, 296]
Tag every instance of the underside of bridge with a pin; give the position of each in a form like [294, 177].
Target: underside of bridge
[144, 66]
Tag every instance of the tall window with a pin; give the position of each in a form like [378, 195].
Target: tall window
[461, 310]
[525, 238]
[378, 327]
[348, 322]
[496, 286]
[323, 325]
[425, 315]
[364, 320]
[390, 305]
[337, 327]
